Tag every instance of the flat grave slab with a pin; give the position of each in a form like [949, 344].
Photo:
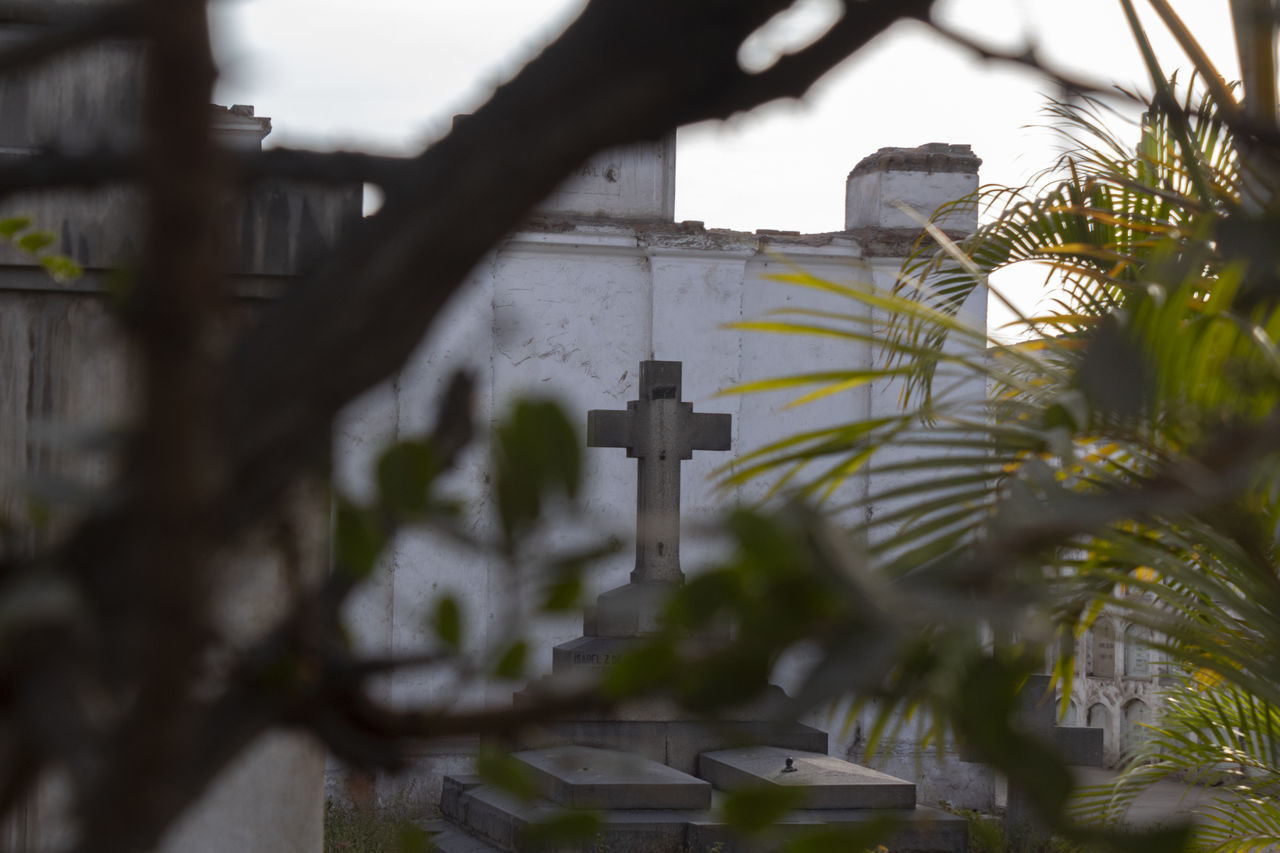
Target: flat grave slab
[585, 777]
[826, 782]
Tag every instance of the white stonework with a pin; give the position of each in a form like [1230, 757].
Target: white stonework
[632, 182]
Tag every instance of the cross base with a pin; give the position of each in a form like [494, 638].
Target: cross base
[628, 611]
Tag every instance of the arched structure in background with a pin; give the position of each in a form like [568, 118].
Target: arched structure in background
[1102, 649]
[1099, 717]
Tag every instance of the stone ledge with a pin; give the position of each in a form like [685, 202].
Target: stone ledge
[824, 782]
[932, 157]
[584, 777]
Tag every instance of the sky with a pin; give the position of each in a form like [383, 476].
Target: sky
[388, 75]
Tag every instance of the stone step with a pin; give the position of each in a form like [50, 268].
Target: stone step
[584, 777]
[824, 782]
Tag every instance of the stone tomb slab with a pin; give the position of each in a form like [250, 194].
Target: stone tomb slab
[826, 782]
[585, 777]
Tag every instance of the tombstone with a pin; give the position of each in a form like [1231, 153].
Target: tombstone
[654, 769]
[659, 431]
[1135, 732]
[1102, 659]
[1137, 652]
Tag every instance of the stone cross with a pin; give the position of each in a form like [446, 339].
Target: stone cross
[659, 430]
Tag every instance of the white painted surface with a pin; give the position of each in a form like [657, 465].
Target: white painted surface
[635, 181]
[898, 199]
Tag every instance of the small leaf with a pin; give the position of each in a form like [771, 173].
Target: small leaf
[448, 622]
[357, 539]
[562, 594]
[511, 664]
[535, 454]
[12, 225]
[500, 769]
[641, 669]
[36, 240]
[842, 839]
[754, 809]
[405, 473]
[564, 830]
[61, 268]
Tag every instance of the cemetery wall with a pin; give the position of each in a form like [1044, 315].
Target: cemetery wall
[67, 385]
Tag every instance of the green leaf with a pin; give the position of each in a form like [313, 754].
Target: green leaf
[498, 768]
[358, 539]
[512, 662]
[448, 622]
[564, 586]
[754, 809]
[537, 455]
[61, 268]
[562, 594]
[564, 830]
[642, 669]
[36, 240]
[405, 473]
[840, 839]
[12, 225]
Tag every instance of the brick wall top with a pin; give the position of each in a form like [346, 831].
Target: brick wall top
[932, 157]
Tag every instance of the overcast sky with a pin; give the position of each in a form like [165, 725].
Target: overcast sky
[389, 74]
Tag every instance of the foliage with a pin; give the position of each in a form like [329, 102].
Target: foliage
[987, 835]
[19, 232]
[1126, 454]
[1220, 736]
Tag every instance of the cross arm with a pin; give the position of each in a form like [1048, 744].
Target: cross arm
[609, 428]
[710, 431]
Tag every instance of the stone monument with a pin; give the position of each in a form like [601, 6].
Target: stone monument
[657, 773]
[659, 431]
